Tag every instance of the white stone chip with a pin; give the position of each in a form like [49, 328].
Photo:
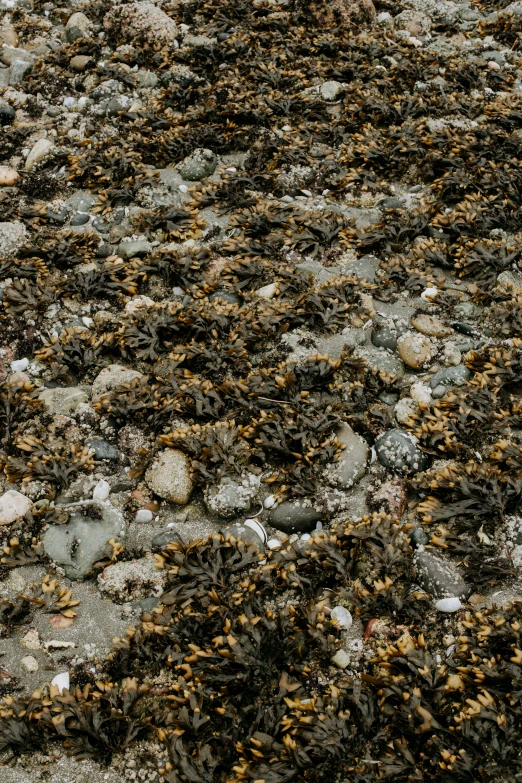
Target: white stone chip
[342, 616]
[452, 604]
[101, 491]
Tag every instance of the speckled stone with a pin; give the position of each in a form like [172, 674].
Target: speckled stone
[439, 577]
[295, 516]
[430, 326]
[351, 466]
[169, 476]
[415, 350]
[398, 450]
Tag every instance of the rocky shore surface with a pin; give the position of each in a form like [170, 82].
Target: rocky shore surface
[260, 391]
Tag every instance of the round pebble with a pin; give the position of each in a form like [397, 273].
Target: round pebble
[144, 515]
[398, 451]
[452, 604]
[430, 326]
[415, 350]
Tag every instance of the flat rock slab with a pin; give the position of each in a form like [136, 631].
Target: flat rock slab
[78, 544]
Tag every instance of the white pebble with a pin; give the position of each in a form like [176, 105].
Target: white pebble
[286, 128]
[267, 291]
[183, 188]
[87, 321]
[177, 291]
[274, 543]
[269, 502]
[232, 169]
[319, 525]
[144, 515]
[29, 663]
[429, 293]
[448, 604]
[20, 365]
[305, 537]
[62, 682]
[342, 616]
[69, 101]
[307, 193]
[101, 491]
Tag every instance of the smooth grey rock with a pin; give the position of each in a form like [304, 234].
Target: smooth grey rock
[147, 79]
[5, 75]
[398, 451]
[384, 361]
[384, 337]
[418, 537]
[439, 577]
[79, 543]
[165, 537]
[103, 450]
[8, 54]
[389, 398]
[57, 216]
[81, 201]
[7, 114]
[63, 401]
[391, 202]
[295, 516]
[18, 70]
[352, 463]
[110, 377]
[450, 376]
[200, 164]
[80, 220]
[230, 496]
[118, 104]
[132, 248]
[363, 268]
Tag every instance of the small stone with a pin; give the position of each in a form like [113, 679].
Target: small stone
[383, 362]
[414, 350]
[134, 248]
[493, 66]
[138, 303]
[103, 450]
[131, 579]
[29, 663]
[437, 576]
[231, 497]
[331, 91]
[79, 62]
[12, 237]
[448, 605]
[420, 393]
[77, 26]
[20, 365]
[143, 515]
[405, 409]
[267, 291]
[351, 466]
[63, 400]
[19, 69]
[200, 164]
[101, 491]
[295, 516]
[80, 220]
[111, 377]
[398, 451]
[31, 640]
[269, 502]
[8, 176]
[133, 22]
[341, 659]
[13, 506]
[384, 337]
[389, 398]
[161, 540]
[7, 114]
[430, 326]
[391, 497]
[169, 476]
[451, 355]
[415, 23]
[450, 377]
[418, 537]
[342, 616]
[8, 34]
[40, 152]
[392, 202]
[117, 105]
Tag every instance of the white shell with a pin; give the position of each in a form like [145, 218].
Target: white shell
[342, 616]
[62, 681]
[448, 604]
[254, 525]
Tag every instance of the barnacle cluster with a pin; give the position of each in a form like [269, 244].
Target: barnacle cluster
[232, 673]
